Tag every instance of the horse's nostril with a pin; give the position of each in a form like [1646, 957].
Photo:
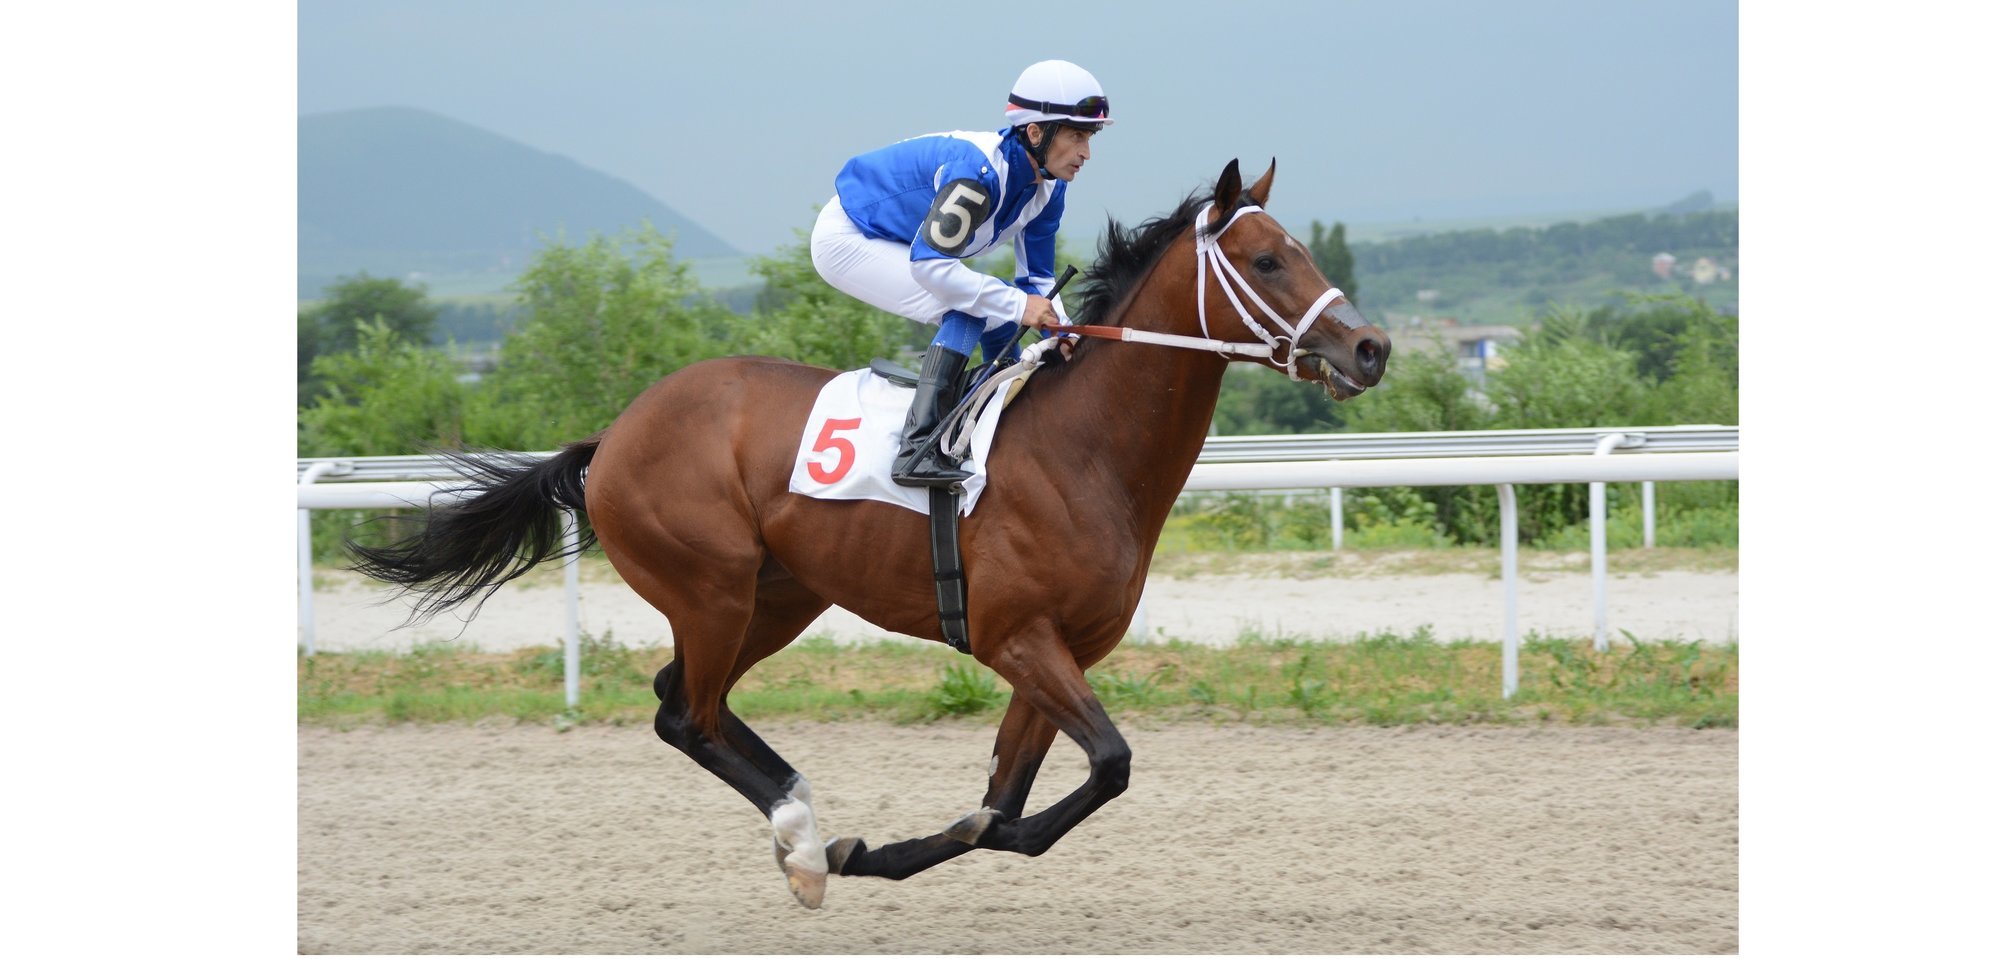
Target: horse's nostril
[1368, 353]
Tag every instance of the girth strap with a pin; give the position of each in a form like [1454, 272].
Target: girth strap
[948, 568]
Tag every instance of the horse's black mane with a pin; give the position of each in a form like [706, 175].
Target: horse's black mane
[1123, 256]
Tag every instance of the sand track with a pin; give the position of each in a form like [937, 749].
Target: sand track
[1233, 839]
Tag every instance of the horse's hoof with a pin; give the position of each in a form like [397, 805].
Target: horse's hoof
[808, 885]
[837, 852]
[972, 825]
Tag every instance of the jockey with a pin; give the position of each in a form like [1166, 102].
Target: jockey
[904, 218]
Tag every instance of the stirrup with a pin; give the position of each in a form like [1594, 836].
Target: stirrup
[928, 468]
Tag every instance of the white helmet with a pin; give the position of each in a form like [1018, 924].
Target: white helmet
[1058, 91]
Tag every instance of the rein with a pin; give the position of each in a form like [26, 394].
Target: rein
[1209, 255]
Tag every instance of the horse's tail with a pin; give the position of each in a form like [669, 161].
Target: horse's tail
[509, 519]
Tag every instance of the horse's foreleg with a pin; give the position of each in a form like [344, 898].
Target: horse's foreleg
[1047, 677]
[1018, 751]
[1017, 754]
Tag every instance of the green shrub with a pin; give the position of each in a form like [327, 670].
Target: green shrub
[964, 689]
[1397, 534]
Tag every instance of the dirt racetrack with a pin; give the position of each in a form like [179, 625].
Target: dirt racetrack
[1232, 839]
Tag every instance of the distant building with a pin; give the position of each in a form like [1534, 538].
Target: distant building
[1706, 271]
[1663, 265]
[1478, 349]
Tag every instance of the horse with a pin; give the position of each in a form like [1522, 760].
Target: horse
[687, 494]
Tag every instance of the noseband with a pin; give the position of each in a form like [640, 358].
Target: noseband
[1208, 253]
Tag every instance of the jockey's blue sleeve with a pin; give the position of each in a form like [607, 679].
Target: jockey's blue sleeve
[1035, 248]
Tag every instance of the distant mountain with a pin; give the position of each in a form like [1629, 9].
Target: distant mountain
[395, 191]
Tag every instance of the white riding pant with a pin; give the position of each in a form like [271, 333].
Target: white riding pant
[876, 272]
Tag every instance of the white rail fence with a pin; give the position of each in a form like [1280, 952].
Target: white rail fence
[1500, 458]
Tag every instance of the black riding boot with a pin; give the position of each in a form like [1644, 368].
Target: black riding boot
[918, 462]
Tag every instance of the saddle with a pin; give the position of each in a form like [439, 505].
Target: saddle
[893, 372]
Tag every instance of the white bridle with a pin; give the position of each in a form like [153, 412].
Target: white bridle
[1207, 253]
[1208, 250]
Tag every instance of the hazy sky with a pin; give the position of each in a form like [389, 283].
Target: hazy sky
[738, 114]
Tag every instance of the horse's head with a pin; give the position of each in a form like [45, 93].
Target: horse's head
[1259, 283]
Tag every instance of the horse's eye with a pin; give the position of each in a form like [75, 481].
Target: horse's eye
[1266, 263]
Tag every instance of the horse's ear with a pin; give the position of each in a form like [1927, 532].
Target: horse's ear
[1227, 187]
[1260, 191]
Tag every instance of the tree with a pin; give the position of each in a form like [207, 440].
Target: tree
[1559, 376]
[1657, 328]
[1330, 253]
[1256, 401]
[1423, 392]
[329, 326]
[406, 309]
[385, 397]
[599, 323]
[800, 317]
[1701, 385]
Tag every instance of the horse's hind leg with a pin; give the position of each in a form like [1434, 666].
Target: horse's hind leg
[783, 799]
[784, 610]
[722, 743]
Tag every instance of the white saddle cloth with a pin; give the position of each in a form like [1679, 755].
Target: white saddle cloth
[851, 440]
[857, 423]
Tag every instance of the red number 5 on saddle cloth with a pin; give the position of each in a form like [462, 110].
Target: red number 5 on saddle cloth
[851, 436]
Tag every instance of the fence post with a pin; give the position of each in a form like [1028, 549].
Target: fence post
[572, 648]
[1602, 642]
[1338, 521]
[1646, 494]
[1510, 646]
[306, 579]
[312, 475]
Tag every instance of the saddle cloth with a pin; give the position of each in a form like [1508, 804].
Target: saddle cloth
[851, 438]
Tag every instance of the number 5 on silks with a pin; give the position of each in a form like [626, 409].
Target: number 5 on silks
[842, 448]
[955, 216]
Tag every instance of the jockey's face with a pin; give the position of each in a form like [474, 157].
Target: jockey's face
[1069, 151]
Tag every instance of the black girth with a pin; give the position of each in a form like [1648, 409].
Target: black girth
[948, 566]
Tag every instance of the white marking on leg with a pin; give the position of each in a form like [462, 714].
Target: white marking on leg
[800, 853]
[801, 790]
[993, 767]
[972, 825]
[793, 825]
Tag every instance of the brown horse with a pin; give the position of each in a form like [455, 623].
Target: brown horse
[687, 492]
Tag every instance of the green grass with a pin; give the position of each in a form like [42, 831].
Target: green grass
[1357, 563]
[1377, 679]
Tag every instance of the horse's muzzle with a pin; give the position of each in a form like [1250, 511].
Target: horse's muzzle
[1346, 363]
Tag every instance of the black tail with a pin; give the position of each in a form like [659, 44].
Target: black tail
[511, 522]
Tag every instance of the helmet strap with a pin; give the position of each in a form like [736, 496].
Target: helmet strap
[1040, 154]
